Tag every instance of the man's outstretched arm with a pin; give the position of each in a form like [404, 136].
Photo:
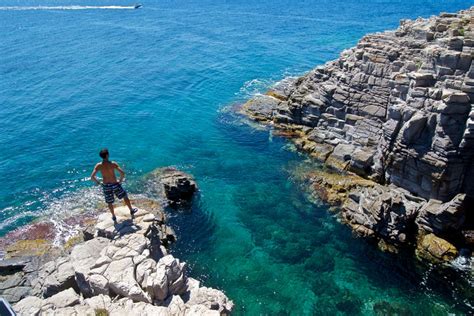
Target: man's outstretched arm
[122, 173]
[93, 175]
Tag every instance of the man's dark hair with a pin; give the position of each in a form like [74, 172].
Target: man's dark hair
[104, 153]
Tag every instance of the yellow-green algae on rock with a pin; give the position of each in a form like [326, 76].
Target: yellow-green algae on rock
[435, 249]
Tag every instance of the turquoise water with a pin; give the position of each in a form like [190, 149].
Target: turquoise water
[154, 86]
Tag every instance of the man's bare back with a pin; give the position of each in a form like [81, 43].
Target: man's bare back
[107, 170]
[110, 185]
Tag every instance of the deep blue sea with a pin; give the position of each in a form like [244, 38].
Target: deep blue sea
[156, 86]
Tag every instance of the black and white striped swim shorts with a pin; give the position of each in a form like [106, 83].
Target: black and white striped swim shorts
[111, 189]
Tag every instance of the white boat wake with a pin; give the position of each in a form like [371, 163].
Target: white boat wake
[70, 7]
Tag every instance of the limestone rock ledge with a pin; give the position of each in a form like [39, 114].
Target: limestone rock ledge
[123, 270]
[398, 110]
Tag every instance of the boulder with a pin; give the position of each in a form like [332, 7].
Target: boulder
[16, 264]
[16, 293]
[262, 107]
[174, 186]
[124, 225]
[210, 299]
[83, 257]
[435, 249]
[30, 305]
[362, 160]
[55, 276]
[341, 155]
[412, 130]
[63, 299]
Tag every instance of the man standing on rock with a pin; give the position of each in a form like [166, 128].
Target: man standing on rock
[110, 185]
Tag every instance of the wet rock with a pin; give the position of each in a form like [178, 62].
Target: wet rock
[172, 185]
[435, 249]
[381, 212]
[334, 187]
[31, 248]
[262, 108]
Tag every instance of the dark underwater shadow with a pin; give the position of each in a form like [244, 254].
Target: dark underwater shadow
[194, 229]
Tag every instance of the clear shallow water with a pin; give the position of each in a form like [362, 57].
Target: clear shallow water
[151, 84]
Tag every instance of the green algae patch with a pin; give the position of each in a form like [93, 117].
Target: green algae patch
[276, 95]
[333, 187]
[72, 241]
[36, 247]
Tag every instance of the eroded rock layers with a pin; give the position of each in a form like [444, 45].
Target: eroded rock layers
[397, 109]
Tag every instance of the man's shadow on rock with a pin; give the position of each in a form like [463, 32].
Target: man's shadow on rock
[126, 227]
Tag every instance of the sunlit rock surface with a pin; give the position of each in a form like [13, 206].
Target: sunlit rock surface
[397, 109]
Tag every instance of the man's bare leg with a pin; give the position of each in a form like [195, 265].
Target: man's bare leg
[129, 204]
[111, 209]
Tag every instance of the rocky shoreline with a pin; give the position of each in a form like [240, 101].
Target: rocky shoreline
[393, 121]
[121, 268]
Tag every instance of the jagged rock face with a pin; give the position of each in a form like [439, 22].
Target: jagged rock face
[124, 273]
[442, 218]
[382, 211]
[399, 106]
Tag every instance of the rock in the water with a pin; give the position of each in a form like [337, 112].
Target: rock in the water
[435, 249]
[382, 212]
[28, 248]
[211, 299]
[172, 185]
